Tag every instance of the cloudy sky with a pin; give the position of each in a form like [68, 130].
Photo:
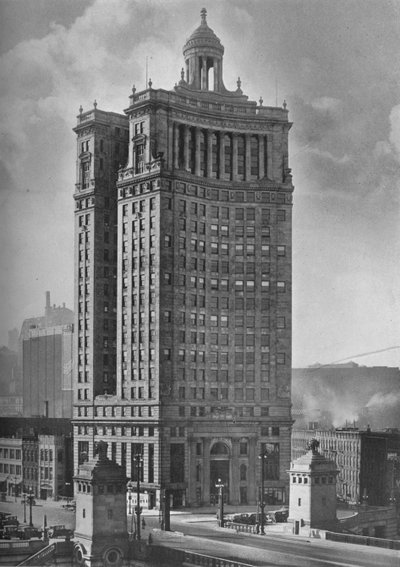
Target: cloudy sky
[336, 63]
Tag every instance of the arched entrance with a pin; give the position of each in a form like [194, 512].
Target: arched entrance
[220, 455]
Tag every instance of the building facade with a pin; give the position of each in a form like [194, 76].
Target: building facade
[46, 360]
[183, 286]
[368, 462]
[36, 456]
[10, 466]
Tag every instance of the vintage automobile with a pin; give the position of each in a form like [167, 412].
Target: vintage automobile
[59, 531]
[27, 532]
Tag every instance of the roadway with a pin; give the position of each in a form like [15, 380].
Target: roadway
[200, 533]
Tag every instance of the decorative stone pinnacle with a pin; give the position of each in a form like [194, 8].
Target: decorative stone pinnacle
[284, 104]
[95, 103]
[203, 14]
[150, 83]
[261, 101]
[239, 83]
[80, 109]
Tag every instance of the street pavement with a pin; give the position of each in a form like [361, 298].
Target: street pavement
[197, 530]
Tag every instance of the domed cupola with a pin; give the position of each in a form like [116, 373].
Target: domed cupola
[203, 51]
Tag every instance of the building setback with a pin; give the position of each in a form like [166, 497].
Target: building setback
[183, 286]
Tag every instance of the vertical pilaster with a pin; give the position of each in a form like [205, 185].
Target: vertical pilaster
[251, 471]
[206, 471]
[234, 157]
[247, 158]
[197, 151]
[186, 151]
[221, 156]
[269, 172]
[192, 472]
[209, 153]
[176, 145]
[261, 152]
[234, 488]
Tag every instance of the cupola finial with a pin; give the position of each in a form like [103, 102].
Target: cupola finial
[203, 14]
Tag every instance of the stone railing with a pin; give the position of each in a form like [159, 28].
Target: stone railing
[170, 556]
[39, 557]
[363, 540]
[246, 528]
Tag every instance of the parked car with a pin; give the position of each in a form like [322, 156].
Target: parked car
[9, 532]
[59, 531]
[70, 505]
[280, 515]
[9, 521]
[27, 532]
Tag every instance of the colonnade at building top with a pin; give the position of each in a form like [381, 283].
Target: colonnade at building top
[222, 155]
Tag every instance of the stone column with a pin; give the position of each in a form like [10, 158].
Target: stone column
[251, 476]
[235, 474]
[186, 151]
[247, 158]
[192, 472]
[176, 145]
[216, 76]
[261, 166]
[209, 153]
[234, 157]
[204, 74]
[206, 471]
[221, 156]
[269, 172]
[128, 460]
[197, 154]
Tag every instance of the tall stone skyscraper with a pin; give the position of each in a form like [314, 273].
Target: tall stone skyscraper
[183, 286]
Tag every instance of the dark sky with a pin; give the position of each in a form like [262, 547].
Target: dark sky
[336, 63]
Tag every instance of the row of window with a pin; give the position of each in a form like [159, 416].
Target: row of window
[11, 469]
[7, 453]
[316, 480]
[131, 431]
[240, 394]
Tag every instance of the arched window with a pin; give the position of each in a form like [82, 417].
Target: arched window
[219, 449]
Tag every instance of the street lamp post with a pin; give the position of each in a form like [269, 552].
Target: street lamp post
[139, 464]
[262, 456]
[24, 502]
[130, 511]
[30, 502]
[220, 487]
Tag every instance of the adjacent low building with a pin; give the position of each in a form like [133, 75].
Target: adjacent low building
[36, 457]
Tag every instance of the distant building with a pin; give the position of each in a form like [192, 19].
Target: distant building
[368, 462]
[10, 466]
[372, 396]
[11, 406]
[36, 454]
[46, 355]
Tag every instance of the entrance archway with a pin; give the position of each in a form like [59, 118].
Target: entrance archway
[220, 455]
